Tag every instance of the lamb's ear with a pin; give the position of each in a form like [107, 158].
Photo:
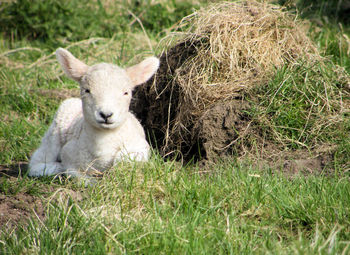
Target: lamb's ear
[73, 67]
[141, 72]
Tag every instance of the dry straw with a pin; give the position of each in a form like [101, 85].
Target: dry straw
[240, 45]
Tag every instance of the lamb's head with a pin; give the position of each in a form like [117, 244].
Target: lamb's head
[105, 88]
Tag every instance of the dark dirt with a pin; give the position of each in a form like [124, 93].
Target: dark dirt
[16, 208]
[306, 166]
[298, 163]
[306, 163]
[290, 166]
[156, 104]
[220, 127]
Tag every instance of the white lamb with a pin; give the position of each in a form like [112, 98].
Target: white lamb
[96, 131]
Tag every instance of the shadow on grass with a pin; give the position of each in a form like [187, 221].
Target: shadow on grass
[14, 170]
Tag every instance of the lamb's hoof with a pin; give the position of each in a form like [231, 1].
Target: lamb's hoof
[82, 179]
[87, 181]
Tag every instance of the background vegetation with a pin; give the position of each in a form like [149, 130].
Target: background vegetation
[161, 206]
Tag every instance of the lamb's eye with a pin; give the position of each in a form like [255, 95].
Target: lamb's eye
[87, 91]
[126, 93]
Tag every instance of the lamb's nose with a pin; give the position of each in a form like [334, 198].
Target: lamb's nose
[105, 116]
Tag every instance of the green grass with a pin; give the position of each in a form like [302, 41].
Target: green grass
[54, 22]
[162, 207]
[301, 106]
[329, 26]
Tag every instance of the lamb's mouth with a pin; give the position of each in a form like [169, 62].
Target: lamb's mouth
[106, 126]
[105, 123]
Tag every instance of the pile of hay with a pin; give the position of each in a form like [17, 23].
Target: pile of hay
[240, 45]
[226, 50]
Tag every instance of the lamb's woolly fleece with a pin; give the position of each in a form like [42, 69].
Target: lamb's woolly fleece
[79, 140]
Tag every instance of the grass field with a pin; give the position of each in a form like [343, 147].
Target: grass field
[162, 206]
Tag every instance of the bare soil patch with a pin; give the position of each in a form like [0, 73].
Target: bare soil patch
[17, 209]
[299, 162]
[221, 126]
[18, 203]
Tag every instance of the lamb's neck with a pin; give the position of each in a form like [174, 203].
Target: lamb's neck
[101, 145]
[100, 137]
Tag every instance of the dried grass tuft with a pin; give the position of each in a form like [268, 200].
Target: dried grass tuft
[239, 44]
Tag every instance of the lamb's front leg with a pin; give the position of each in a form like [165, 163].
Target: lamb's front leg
[44, 161]
[76, 160]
